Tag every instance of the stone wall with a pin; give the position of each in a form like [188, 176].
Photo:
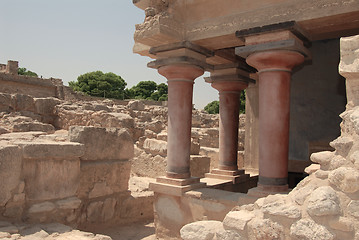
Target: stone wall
[324, 205]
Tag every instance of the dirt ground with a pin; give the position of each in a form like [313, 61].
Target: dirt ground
[136, 231]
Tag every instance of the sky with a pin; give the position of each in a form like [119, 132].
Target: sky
[66, 38]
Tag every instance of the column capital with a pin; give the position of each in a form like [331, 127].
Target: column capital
[229, 79]
[181, 53]
[275, 60]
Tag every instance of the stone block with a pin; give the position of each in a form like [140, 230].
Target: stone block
[24, 103]
[101, 211]
[7, 103]
[42, 207]
[10, 171]
[136, 105]
[33, 126]
[307, 229]
[49, 179]
[264, 229]
[195, 148]
[345, 178]
[323, 202]
[103, 143]
[155, 147]
[51, 150]
[199, 165]
[46, 106]
[237, 220]
[69, 203]
[103, 178]
[201, 230]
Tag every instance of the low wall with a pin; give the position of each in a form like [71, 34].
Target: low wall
[36, 87]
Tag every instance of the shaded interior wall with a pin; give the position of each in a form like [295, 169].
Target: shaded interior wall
[317, 99]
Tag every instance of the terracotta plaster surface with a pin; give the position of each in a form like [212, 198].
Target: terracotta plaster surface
[229, 93]
[274, 69]
[180, 92]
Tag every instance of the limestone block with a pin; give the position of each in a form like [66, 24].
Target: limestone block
[101, 211]
[155, 126]
[195, 147]
[155, 147]
[321, 174]
[323, 202]
[349, 61]
[162, 136]
[299, 195]
[137, 207]
[7, 102]
[69, 203]
[354, 119]
[212, 153]
[342, 224]
[345, 178]
[264, 229]
[33, 126]
[42, 207]
[46, 106]
[201, 230]
[355, 159]
[51, 150]
[312, 168]
[237, 220]
[339, 161]
[307, 229]
[136, 105]
[342, 145]
[48, 179]
[100, 189]
[103, 143]
[24, 103]
[323, 158]
[228, 235]
[275, 206]
[353, 208]
[10, 171]
[199, 165]
[118, 120]
[113, 176]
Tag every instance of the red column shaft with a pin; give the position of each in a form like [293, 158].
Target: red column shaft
[228, 129]
[180, 91]
[274, 69]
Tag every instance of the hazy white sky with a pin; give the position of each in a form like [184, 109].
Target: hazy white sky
[66, 38]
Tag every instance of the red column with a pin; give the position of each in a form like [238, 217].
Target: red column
[229, 95]
[274, 69]
[180, 91]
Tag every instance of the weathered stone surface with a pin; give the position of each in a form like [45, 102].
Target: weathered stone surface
[237, 220]
[312, 168]
[69, 203]
[33, 126]
[46, 106]
[24, 103]
[282, 209]
[42, 207]
[202, 230]
[323, 201]
[51, 179]
[306, 229]
[155, 126]
[342, 224]
[195, 147]
[199, 165]
[10, 171]
[100, 189]
[346, 179]
[155, 147]
[222, 234]
[323, 158]
[136, 105]
[51, 150]
[112, 175]
[264, 229]
[353, 208]
[103, 143]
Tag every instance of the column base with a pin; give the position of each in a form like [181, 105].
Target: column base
[236, 176]
[176, 187]
[265, 190]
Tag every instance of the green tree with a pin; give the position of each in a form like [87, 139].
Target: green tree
[148, 90]
[212, 107]
[25, 72]
[99, 84]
